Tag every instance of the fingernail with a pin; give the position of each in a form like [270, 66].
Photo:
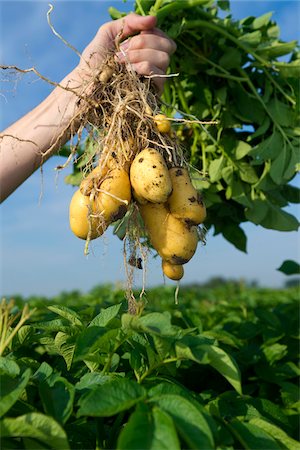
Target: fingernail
[124, 46]
[120, 56]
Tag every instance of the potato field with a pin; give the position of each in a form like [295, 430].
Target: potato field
[217, 371]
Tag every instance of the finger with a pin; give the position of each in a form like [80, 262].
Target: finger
[153, 57]
[145, 68]
[151, 41]
[158, 32]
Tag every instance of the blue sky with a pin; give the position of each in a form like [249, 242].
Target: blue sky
[39, 255]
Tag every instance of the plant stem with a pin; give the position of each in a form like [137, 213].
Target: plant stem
[173, 7]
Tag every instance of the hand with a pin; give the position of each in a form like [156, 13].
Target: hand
[148, 51]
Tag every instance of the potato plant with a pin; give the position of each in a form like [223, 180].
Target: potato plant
[227, 123]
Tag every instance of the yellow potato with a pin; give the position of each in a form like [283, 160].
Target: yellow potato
[172, 271]
[172, 238]
[149, 176]
[114, 195]
[163, 123]
[92, 180]
[82, 211]
[185, 202]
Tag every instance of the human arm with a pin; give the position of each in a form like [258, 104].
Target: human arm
[30, 141]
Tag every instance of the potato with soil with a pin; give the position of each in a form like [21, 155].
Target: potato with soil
[173, 271]
[185, 202]
[84, 221]
[149, 177]
[93, 180]
[173, 240]
[114, 195]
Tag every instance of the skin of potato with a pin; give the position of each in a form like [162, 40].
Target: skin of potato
[172, 271]
[116, 183]
[173, 240]
[149, 176]
[80, 208]
[92, 179]
[163, 123]
[185, 202]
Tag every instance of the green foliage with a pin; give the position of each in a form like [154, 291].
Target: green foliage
[229, 72]
[289, 267]
[217, 371]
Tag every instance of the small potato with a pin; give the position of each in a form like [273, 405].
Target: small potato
[149, 176]
[163, 123]
[185, 202]
[81, 215]
[114, 196]
[172, 271]
[172, 238]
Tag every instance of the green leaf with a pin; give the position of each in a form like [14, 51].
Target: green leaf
[11, 389]
[57, 396]
[200, 350]
[87, 342]
[279, 165]
[158, 323]
[189, 421]
[251, 39]
[8, 366]
[43, 372]
[74, 178]
[67, 314]
[261, 130]
[252, 437]
[236, 235]
[65, 345]
[270, 148]
[247, 173]
[270, 216]
[36, 426]
[289, 267]
[281, 112]
[257, 212]
[274, 352]
[110, 398]
[53, 325]
[261, 21]
[231, 59]
[290, 394]
[115, 13]
[276, 49]
[274, 431]
[277, 219]
[242, 149]
[224, 5]
[225, 365]
[24, 334]
[106, 316]
[215, 169]
[289, 70]
[91, 380]
[149, 430]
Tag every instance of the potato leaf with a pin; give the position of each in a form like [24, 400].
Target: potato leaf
[150, 430]
[110, 398]
[36, 426]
